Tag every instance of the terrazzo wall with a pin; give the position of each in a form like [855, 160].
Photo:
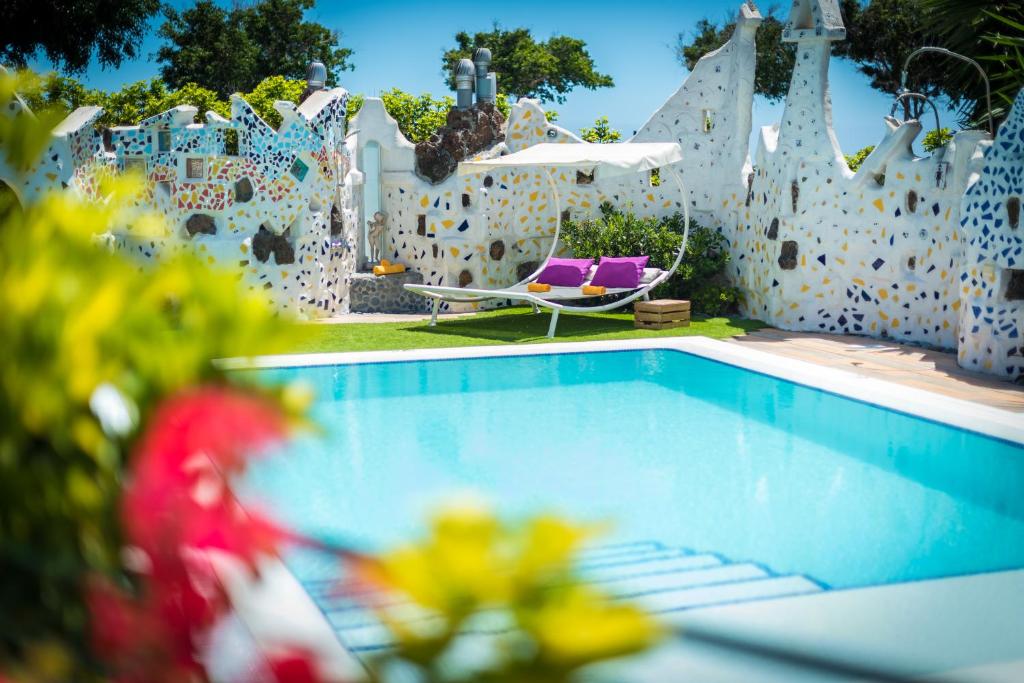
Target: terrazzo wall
[819, 248]
[991, 277]
[895, 250]
[491, 230]
[279, 209]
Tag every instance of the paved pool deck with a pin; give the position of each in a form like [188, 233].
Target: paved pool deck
[903, 364]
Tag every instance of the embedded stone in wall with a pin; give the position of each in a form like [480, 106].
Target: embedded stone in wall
[497, 250]
[787, 257]
[386, 294]
[1013, 212]
[465, 278]
[1015, 285]
[337, 222]
[773, 230]
[243, 190]
[200, 224]
[467, 132]
[265, 243]
[525, 269]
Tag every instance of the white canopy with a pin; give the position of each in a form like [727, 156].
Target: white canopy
[613, 159]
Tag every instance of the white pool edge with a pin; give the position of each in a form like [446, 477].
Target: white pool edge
[975, 417]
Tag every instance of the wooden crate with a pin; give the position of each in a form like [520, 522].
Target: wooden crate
[662, 306]
[646, 325]
[661, 317]
[661, 314]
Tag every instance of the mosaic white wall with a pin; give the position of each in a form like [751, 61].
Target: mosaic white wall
[895, 250]
[279, 208]
[991, 276]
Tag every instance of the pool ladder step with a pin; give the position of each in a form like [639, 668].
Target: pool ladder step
[661, 579]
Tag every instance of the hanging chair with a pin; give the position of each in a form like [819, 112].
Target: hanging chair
[605, 160]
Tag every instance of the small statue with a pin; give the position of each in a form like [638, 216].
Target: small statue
[375, 237]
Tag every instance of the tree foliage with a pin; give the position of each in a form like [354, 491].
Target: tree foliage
[545, 70]
[775, 59]
[855, 160]
[936, 139]
[142, 99]
[71, 32]
[881, 34]
[880, 37]
[232, 50]
[418, 116]
[600, 132]
[991, 32]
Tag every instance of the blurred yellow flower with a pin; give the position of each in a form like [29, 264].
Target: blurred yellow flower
[518, 579]
[581, 626]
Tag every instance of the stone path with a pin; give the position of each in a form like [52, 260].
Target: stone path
[908, 365]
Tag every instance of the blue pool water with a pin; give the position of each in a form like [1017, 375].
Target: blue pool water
[668, 446]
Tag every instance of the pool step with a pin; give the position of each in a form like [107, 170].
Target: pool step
[658, 578]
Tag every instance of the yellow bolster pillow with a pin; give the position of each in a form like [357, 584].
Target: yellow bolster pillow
[591, 289]
[538, 287]
[390, 269]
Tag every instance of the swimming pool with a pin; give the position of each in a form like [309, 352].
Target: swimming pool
[669, 446]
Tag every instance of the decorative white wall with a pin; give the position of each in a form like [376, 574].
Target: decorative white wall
[991, 276]
[923, 249]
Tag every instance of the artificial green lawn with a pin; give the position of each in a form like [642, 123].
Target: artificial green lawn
[505, 326]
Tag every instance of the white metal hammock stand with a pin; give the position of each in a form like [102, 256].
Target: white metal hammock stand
[553, 299]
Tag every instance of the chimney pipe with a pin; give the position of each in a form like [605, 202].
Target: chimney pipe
[482, 60]
[464, 73]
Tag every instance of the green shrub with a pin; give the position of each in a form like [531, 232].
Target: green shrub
[715, 300]
[699, 278]
[857, 158]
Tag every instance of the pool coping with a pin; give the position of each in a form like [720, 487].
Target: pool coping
[974, 417]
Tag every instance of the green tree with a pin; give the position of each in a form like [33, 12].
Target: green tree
[991, 32]
[206, 44]
[420, 116]
[132, 103]
[52, 91]
[271, 89]
[600, 132]
[232, 50]
[878, 39]
[546, 70]
[71, 32]
[857, 158]
[775, 59]
[936, 139]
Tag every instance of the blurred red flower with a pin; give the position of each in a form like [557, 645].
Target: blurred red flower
[178, 503]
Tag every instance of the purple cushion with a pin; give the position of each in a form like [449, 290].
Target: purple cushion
[620, 271]
[565, 272]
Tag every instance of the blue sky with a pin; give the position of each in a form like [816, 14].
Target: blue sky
[399, 43]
